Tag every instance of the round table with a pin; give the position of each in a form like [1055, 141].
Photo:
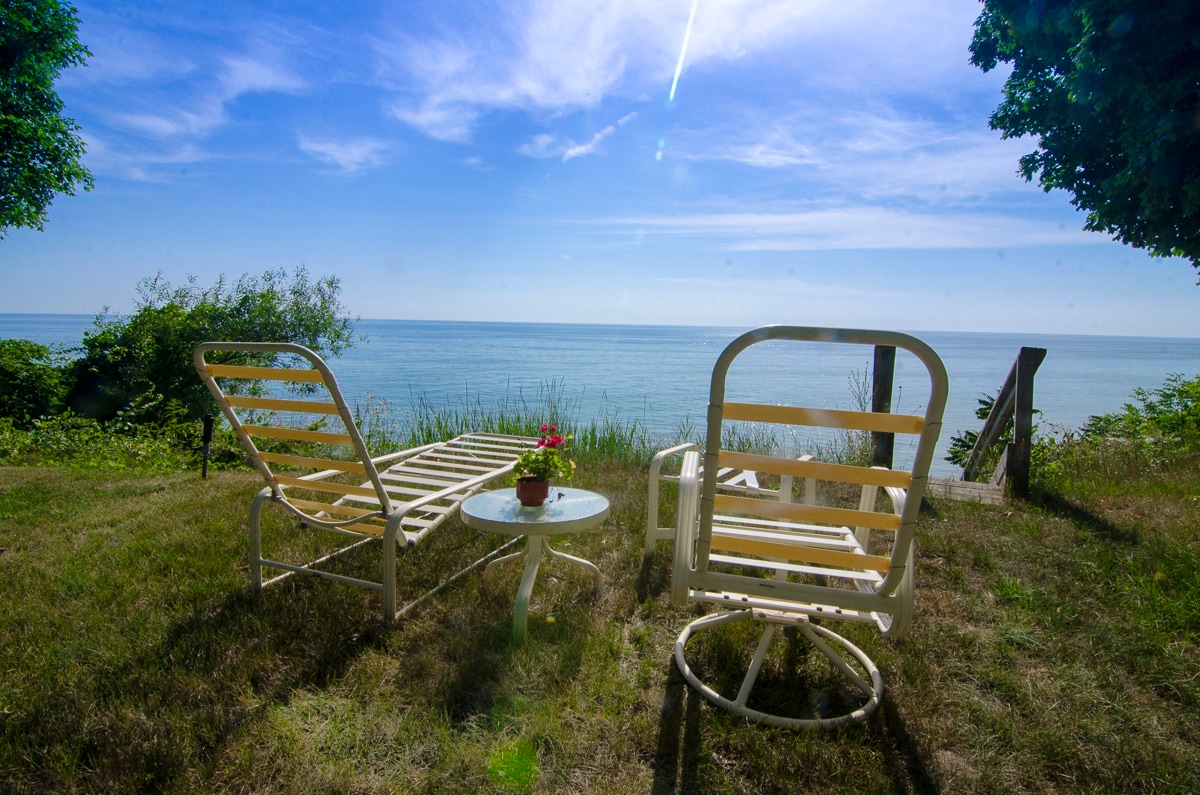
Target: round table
[565, 511]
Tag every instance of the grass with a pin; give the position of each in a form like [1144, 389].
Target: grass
[1054, 649]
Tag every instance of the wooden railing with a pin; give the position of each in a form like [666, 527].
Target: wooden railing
[1014, 402]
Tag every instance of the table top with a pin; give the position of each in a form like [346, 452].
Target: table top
[565, 511]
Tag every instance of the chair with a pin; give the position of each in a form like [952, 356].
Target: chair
[766, 559]
[299, 433]
[729, 480]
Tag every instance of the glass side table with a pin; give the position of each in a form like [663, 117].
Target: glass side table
[565, 511]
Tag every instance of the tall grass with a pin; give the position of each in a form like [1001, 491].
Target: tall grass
[385, 427]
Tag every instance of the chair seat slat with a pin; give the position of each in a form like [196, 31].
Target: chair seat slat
[337, 508]
[265, 373]
[323, 485]
[869, 577]
[315, 463]
[300, 435]
[825, 418]
[838, 473]
[726, 503]
[811, 554]
[279, 404]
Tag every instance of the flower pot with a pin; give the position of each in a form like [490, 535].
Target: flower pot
[532, 493]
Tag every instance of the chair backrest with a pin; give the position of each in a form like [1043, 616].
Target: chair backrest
[825, 545]
[290, 400]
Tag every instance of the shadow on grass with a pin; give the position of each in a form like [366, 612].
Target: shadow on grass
[652, 580]
[902, 756]
[139, 724]
[1083, 518]
[675, 762]
[679, 755]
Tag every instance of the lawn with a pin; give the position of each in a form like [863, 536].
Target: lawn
[1054, 649]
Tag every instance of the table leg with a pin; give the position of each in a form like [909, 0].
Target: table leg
[554, 553]
[512, 556]
[533, 549]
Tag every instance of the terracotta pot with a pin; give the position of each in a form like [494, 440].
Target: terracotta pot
[532, 493]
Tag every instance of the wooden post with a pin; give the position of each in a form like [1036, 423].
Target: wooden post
[1021, 449]
[882, 444]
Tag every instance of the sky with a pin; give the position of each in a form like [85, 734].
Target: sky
[713, 162]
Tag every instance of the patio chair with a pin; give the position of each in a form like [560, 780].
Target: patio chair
[835, 556]
[729, 480]
[300, 434]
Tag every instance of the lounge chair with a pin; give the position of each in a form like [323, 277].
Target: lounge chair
[835, 556]
[302, 437]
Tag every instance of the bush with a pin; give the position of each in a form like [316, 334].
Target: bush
[31, 381]
[1168, 415]
[143, 363]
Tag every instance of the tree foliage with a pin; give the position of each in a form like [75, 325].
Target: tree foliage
[31, 381]
[1112, 90]
[1170, 413]
[39, 148]
[142, 364]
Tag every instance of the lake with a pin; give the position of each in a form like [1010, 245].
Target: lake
[658, 375]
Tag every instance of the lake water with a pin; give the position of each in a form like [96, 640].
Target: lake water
[658, 375]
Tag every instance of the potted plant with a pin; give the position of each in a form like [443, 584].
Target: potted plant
[535, 467]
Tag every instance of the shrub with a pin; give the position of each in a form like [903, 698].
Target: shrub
[31, 381]
[143, 362]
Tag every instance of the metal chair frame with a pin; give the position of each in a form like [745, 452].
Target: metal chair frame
[767, 559]
[405, 496]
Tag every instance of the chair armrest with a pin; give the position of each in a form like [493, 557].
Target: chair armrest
[653, 531]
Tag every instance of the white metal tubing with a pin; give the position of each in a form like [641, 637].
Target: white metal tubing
[873, 690]
[533, 550]
[652, 529]
[683, 555]
[760, 654]
[256, 505]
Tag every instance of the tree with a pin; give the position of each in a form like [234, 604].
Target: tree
[1112, 89]
[31, 380]
[39, 150]
[141, 363]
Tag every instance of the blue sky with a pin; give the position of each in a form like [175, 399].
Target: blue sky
[820, 163]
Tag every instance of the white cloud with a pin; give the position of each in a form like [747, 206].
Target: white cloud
[204, 116]
[562, 55]
[154, 165]
[243, 75]
[823, 228]
[579, 150]
[565, 54]
[543, 146]
[348, 156]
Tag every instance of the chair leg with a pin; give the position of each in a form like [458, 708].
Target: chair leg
[818, 636]
[256, 538]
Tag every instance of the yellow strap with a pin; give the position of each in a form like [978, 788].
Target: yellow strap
[824, 418]
[840, 473]
[275, 404]
[321, 485]
[297, 435]
[315, 463]
[265, 373]
[339, 510]
[775, 549]
[797, 512]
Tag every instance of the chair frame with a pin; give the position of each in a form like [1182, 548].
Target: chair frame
[400, 514]
[877, 589]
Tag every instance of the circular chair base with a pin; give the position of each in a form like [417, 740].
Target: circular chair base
[873, 690]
